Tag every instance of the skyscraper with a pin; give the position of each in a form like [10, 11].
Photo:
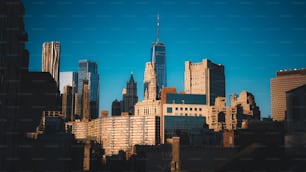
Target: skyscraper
[130, 97]
[158, 56]
[150, 82]
[68, 102]
[89, 71]
[51, 59]
[68, 78]
[205, 78]
[285, 80]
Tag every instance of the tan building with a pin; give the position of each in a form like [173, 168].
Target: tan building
[206, 78]
[51, 59]
[150, 84]
[119, 132]
[86, 101]
[284, 81]
[246, 104]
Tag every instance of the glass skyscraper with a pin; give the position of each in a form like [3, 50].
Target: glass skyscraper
[158, 56]
[89, 71]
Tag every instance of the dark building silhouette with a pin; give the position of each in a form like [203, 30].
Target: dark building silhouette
[68, 102]
[24, 95]
[116, 110]
[129, 96]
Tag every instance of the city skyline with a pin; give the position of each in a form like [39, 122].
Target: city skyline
[251, 39]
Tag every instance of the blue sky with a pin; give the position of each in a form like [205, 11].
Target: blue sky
[252, 38]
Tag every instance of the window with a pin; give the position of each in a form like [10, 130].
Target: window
[176, 108]
[200, 109]
[186, 108]
[181, 108]
[190, 109]
[195, 109]
[169, 109]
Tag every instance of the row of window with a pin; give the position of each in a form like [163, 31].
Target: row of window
[169, 109]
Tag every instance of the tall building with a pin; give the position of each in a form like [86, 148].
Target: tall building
[86, 101]
[285, 80]
[51, 59]
[150, 82]
[89, 71]
[205, 78]
[116, 110]
[68, 103]
[68, 78]
[158, 56]
[130, 97]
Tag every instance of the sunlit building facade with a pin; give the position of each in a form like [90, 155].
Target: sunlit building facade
[285, 80]
[206, 78]
[51, 59]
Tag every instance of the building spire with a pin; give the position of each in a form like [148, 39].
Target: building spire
[157, 31]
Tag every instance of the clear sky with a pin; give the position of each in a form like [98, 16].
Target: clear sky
[252, 38]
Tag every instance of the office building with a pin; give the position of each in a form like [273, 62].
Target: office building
[68, 102]
[158, 57]
[89, 71]
[51, 59]
[116, 108]
[295, 138]
[68, 78]
[285, 80]
[129, 96]
[86, 101]
[205, 78]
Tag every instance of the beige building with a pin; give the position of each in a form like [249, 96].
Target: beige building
[51, 59]
[119, 132]
[246, 104]
[284, 81]
[212, 114]
[150, 84]
[206, 78]
[150, 106]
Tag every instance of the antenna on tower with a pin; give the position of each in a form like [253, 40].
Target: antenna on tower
[157, 31]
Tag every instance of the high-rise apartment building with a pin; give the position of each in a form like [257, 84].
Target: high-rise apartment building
[89, 71]
[68, 78]
[285, 80]
[51, 59]
[130, 97]
[158, 56]
[205, 78]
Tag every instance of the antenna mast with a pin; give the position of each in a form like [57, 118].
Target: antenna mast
[157, 32]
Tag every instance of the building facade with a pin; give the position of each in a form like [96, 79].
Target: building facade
[120, 132]
[158, 57]
[284, 81]
[246, 104]
[89, 71]
[68, 102]
[51, 59]
[68, 78]
[205, 78]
